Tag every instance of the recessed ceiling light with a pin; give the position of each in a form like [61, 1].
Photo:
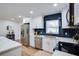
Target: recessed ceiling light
[19, 16]
[55, 4]
[12, 19]
[31, 12]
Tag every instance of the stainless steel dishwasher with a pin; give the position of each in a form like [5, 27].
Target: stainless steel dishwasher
[38, 42]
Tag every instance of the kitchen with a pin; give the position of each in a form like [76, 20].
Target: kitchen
[44, 30]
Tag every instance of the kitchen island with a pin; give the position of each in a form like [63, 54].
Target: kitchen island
[9, 47]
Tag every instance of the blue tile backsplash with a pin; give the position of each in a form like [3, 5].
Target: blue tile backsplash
[66, 32]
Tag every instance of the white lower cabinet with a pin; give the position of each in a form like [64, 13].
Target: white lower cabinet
[49, 44]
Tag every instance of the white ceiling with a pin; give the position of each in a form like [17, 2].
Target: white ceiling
[13, 10]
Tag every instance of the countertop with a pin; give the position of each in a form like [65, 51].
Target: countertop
[57, 39]
[7, 44]
[63, 39]
[60, 53]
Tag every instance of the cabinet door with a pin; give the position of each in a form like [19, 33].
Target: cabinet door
[49, 45]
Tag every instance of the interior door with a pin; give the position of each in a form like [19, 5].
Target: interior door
[25, 34]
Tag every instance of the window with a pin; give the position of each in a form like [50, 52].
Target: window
[52, 27]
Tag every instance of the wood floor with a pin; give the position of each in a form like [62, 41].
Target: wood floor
[29, 51]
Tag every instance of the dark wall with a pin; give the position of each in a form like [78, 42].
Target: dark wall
[66, 32]
[70, 32]
[56, 16]
[40, 31]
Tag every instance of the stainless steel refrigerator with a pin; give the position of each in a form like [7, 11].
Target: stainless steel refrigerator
[25, 34]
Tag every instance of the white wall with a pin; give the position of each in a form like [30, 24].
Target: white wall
[15, 27]
[26, 20]
[76, 10]
[35, 23]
